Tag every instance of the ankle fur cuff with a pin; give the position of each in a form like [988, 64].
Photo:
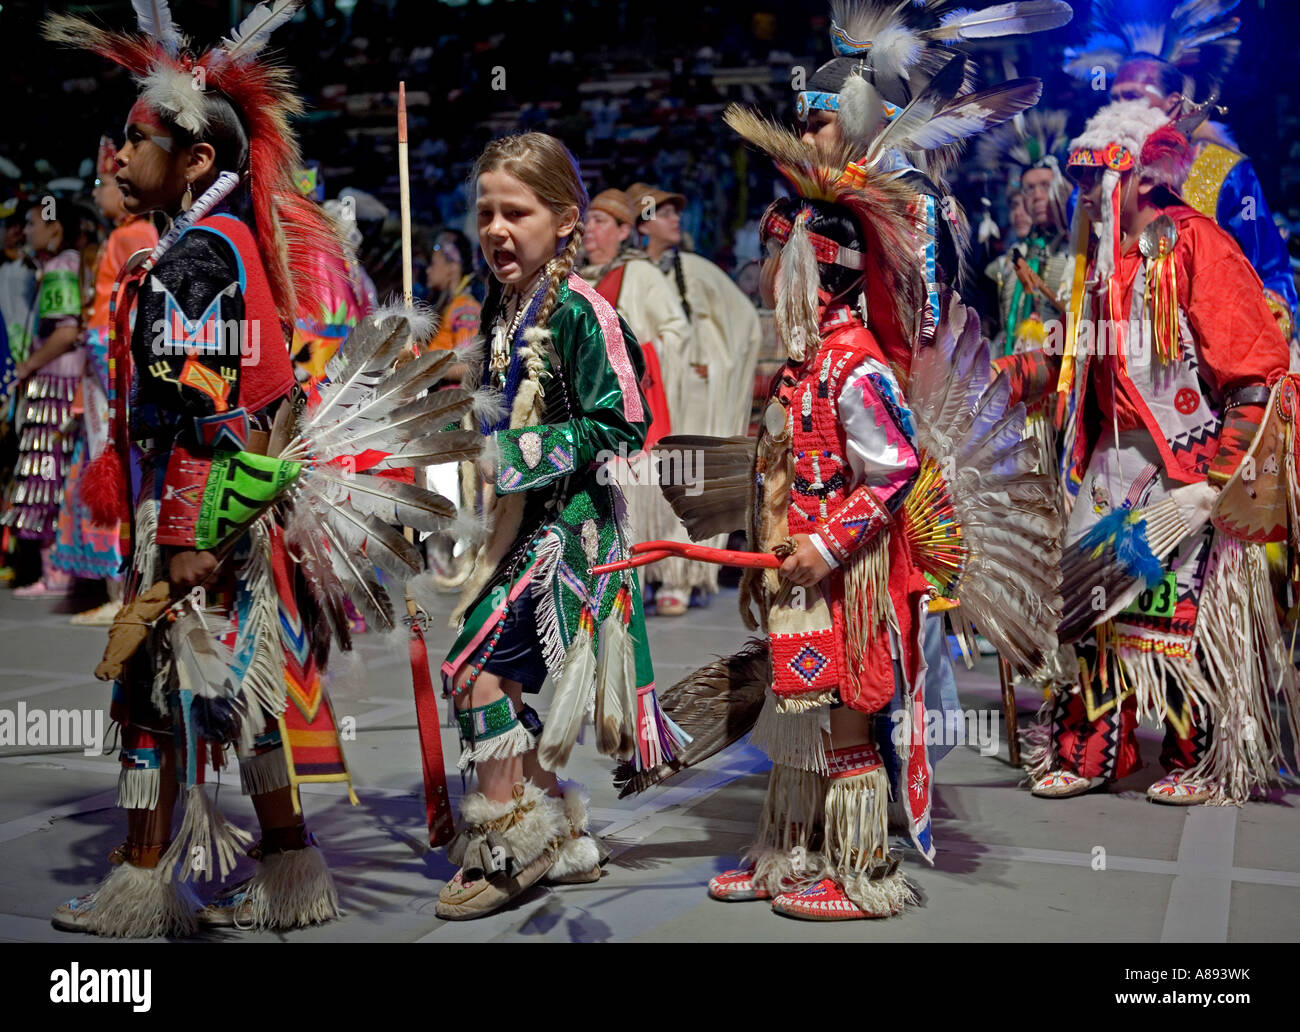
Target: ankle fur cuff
[578, 851]
[525, 826]
[143, 903]
[293, 889]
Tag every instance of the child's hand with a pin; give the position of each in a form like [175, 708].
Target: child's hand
[805, 565]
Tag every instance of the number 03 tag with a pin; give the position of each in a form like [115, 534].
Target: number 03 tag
[1157, 601]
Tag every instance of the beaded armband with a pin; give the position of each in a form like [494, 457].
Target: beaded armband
[856, 522]
[1240, 425]
[533, 456]
[205, 502]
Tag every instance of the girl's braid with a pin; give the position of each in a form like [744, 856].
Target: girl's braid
[560, 274]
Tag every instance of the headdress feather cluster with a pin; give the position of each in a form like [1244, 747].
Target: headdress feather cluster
[1162, 151]
[177, 81]
[904, 46]
[879, 202]
[1195, 36]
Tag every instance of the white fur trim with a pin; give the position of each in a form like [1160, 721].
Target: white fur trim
[292, 889]
[421, 320]
[515, 742]
[578, 851]
[143, 903]
[1129, 123]
[538, 828]
[796, 294]
[1107, 228]
[860, 110]
[174, 92]
[879, 896]
[896, 49]
[487, 406]
[470, 354]
[575, 856]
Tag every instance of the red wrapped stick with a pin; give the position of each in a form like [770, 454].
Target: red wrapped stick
[646, 552]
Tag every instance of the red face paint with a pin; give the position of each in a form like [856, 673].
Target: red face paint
[148, 116]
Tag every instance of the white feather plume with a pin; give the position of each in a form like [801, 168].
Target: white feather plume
[860, 111]
[796, 296]
[154, 18]
[252, 35]
[172, 90]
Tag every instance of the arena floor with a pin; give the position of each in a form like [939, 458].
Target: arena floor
[1103, 867]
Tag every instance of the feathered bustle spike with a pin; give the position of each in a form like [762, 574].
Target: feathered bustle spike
[973, 114]
[253, 34]
[1009, 19]
[154, 18]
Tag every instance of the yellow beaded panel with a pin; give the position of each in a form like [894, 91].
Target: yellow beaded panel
[1205, 180]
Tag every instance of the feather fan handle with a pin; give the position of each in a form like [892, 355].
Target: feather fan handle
[253, 34]
[154, 18]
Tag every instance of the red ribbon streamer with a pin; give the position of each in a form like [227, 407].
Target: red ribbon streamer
[437, 804]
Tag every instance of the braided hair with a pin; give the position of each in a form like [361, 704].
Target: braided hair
[544, 165]
[681, 281]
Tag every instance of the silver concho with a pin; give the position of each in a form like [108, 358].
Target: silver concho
[774, 418]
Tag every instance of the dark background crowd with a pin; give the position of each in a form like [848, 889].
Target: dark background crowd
[634, 87]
